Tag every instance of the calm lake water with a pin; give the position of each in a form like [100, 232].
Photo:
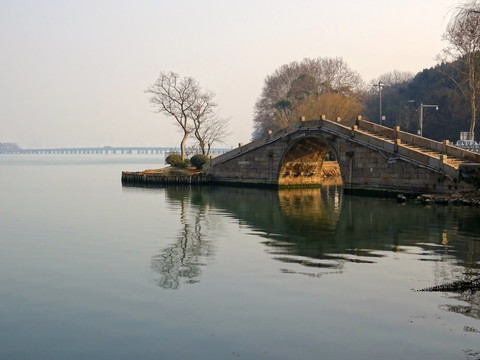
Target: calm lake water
[93, 270]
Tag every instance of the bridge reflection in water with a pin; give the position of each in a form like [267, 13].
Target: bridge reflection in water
[315, 232]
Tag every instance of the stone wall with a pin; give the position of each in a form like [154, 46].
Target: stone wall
[364, 169]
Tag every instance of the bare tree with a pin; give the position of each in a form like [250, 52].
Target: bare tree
[393, 78]
[292, 84]
[332, 105]
[213, 131]
[200, 114]
[193, 109]
[392, 87]
[175, 97]
[207, 126]
[463, 53]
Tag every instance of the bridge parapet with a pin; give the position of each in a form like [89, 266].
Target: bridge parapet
[376, 128]
[405, 137]
[263, 141]
[272, 137]
[462, 153]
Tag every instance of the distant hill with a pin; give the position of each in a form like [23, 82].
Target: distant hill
[9, 146]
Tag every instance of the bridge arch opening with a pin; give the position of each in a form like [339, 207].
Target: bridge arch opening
[309, 161]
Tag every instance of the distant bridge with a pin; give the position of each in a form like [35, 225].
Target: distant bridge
[370, 157]
[89, 150]
[101, 150]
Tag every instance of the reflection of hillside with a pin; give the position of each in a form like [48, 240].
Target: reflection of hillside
[320, 230]
[325, 224]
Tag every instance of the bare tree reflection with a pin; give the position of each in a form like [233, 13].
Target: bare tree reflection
[182, 261]
[317, 232]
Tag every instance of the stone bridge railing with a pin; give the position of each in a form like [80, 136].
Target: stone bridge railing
[270, 138]
[408, 138]
[370, 156]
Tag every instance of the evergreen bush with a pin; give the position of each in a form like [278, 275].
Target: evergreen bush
[199, 160]
[174, 160]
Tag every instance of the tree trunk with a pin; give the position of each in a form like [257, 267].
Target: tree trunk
[201, 142]
[182, 144]
[473, 96]
[474, 116]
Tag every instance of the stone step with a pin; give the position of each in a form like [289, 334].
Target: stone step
[452, 161]
[384, 138]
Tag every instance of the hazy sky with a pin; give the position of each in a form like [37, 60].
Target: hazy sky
[73, 73]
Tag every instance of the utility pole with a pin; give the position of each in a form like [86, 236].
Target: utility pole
[380, 86]
[420, 131]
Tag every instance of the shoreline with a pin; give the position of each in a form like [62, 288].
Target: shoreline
[192, 176]
[464, 198]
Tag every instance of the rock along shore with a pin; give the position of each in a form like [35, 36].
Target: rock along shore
[470, 198]
[192, 176]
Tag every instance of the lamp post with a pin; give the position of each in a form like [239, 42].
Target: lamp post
[422, 106]
[380, 87]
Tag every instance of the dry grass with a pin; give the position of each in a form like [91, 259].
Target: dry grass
[172, 171]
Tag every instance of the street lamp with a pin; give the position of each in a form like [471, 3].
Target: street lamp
[422, 106]
[380, 87]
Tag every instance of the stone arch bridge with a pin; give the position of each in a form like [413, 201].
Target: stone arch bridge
[370, 157]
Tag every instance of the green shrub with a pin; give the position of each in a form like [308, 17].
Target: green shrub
[199, 160]
[183, 164]
[174, 159]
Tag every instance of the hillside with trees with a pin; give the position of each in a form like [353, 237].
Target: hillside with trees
[327, 86]
[292, 91]
[401, 102]
[308, 88]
